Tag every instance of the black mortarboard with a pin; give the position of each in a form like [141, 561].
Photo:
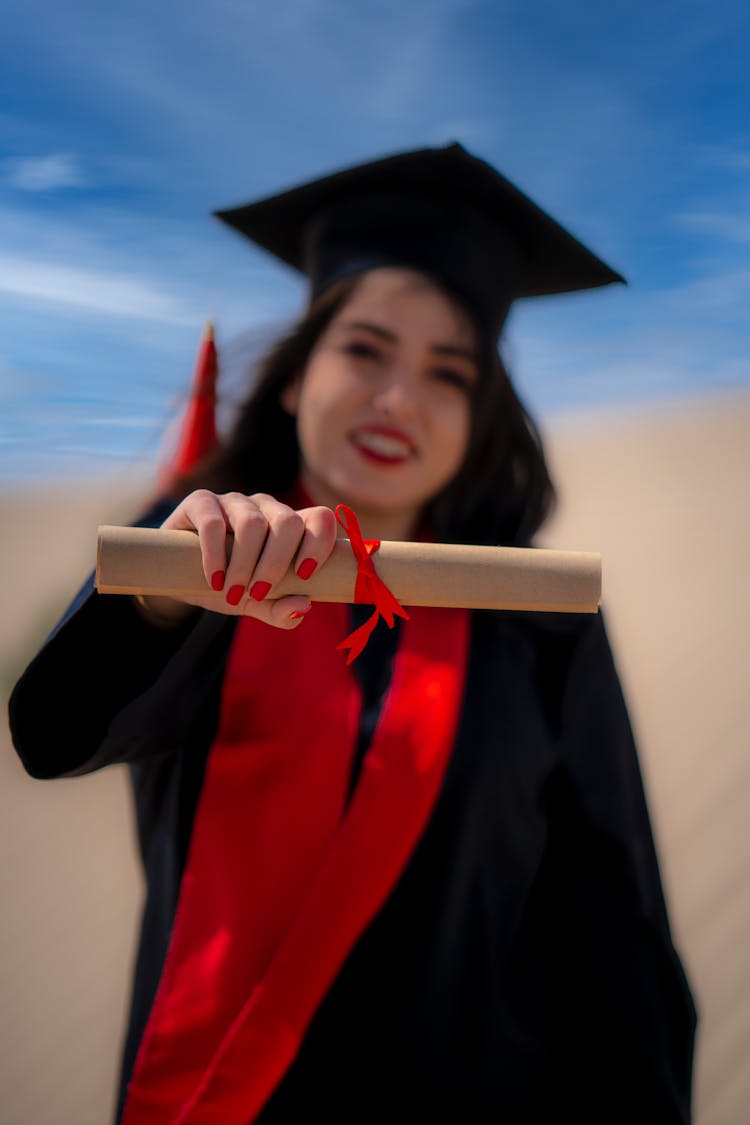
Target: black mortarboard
[438, 210]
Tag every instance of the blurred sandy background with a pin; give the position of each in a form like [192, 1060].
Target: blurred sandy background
[662, 494]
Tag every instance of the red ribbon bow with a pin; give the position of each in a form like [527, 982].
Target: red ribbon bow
[369, 588]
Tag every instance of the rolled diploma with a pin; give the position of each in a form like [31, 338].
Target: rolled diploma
[132, 560]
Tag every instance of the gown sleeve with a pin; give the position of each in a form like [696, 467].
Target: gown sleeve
[628, 1005]
[108, 687]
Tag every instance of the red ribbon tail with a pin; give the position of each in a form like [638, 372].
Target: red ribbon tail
[389, 607]
[369, 588]
[357, 640]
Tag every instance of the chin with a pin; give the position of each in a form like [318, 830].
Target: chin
[377, 500]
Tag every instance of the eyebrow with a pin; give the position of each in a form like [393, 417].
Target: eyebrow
[391, 338]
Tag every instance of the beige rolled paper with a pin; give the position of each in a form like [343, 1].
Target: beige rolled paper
[133, 560]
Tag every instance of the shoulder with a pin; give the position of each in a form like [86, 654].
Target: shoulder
[558, 651]
[556, 637]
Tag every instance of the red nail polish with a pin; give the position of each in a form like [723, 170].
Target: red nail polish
[217, 580]
[234, 597]
[299, 613]
[259, 590]
[306, 568]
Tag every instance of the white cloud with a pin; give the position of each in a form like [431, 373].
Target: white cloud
[113, 294]
[381, 60]
[44, 173]
[733, 156]
[723, 290]
[723, 224]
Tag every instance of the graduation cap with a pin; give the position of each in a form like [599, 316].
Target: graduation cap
[441, 211]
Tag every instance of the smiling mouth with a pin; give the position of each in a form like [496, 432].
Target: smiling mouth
[383, 448]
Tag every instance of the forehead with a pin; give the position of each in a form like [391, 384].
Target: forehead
[404, 301]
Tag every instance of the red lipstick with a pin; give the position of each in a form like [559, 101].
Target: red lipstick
[384, 445]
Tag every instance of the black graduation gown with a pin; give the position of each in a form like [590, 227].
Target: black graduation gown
[522, 969]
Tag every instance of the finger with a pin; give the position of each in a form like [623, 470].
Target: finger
[317, 542]
[202, 512]
[250, 527]
[285, 530]
[283, 613]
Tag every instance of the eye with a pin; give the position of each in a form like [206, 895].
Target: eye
[361, 349]
[453, 377]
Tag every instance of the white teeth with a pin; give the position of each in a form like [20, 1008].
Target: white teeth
[383, 444]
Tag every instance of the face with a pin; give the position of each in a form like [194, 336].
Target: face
[383, 405]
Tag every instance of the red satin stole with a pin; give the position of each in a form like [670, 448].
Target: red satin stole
[282, 875]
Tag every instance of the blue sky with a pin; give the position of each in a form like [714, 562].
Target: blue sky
[122, 127]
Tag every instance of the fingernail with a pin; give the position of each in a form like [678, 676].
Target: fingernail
[306, 568]
[259, 590]
[234, 597]
[299, 613]
[217, 580]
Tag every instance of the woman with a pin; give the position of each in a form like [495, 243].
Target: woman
[424, 886]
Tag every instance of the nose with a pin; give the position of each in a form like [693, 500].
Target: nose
[397, 393]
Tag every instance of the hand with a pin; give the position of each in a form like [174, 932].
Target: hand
[269, 538]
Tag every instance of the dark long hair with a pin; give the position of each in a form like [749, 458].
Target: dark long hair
[501, 495]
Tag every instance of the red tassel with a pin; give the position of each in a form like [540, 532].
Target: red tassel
[197, 435]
